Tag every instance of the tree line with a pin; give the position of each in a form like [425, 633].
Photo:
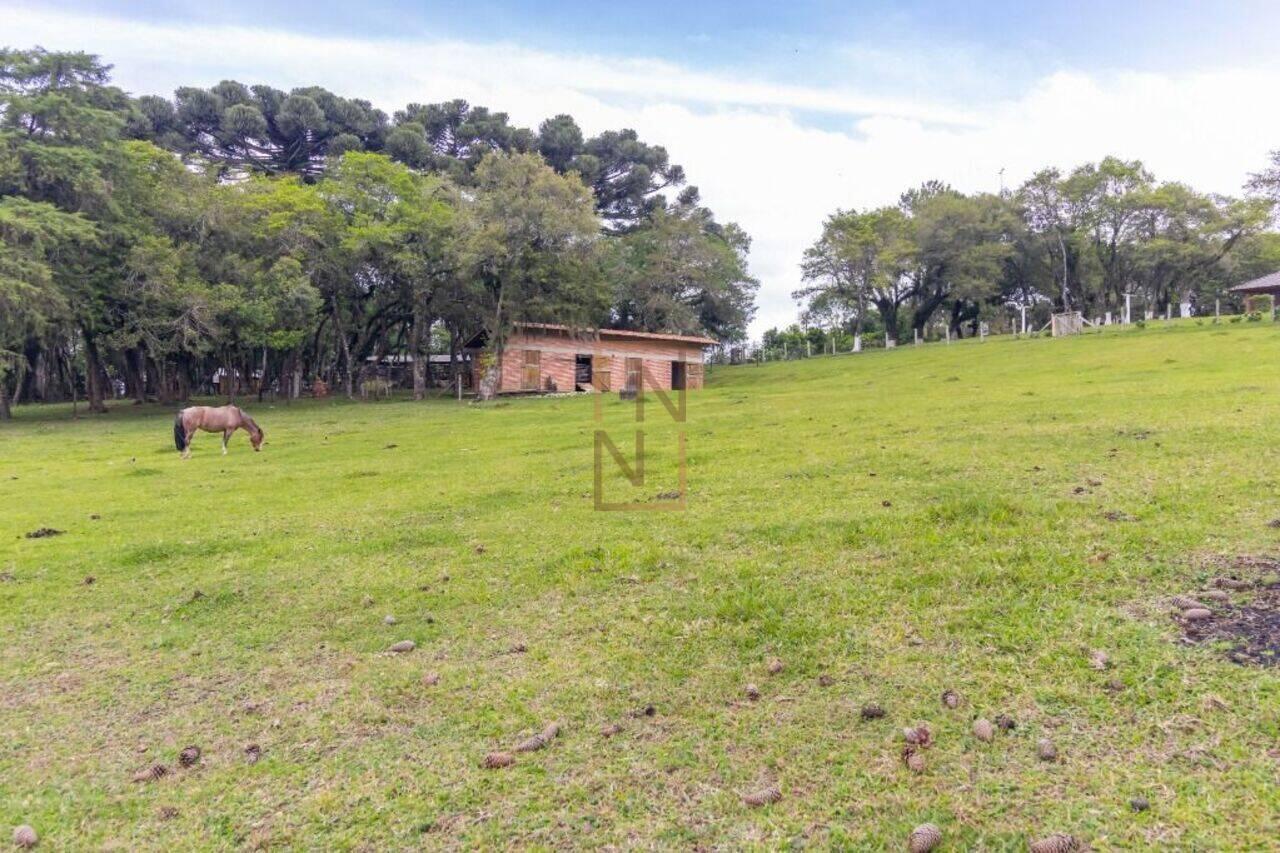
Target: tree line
[283, 237]
[942, 261]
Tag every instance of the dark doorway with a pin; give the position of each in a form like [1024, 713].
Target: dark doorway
[582, 370]
[677, 375]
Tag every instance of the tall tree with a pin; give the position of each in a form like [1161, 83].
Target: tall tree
[861, 260]
[239, 128]
[681, 272]
[533, 251]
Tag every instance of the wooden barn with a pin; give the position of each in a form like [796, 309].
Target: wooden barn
[542, 357]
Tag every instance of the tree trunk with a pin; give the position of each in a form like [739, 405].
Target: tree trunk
[262, 378]
[94, 375]
[136, 364]
[420, 349]
[345, 349]
[296, 391]
[5, 413]
[889, 314]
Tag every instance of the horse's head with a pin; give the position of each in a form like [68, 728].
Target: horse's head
[255, 437]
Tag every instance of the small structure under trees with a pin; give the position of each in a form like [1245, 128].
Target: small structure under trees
[1264, 289]
[545, 357]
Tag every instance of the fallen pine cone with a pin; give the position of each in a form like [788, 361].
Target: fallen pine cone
[919, 735]
[1058, 843]
[1139, 804]
[431, 679]
[494, 760]
[403, 646]
[825, 681]
[752, 692]
[610, 730]
[1183, 602]
[983, 730]
[775, 666]
[1197, 614]
[872, 711]
[1216, 595]
[924, 838]
[1046, 751]
[189, 756]
[155, 771]
[951, 699]
[25, 836]
[1005, 723]
[167, 812]
[762, 797]
[252, 753]
[913, 759]
[1099, 660]
[1231, 583]
[539, 740]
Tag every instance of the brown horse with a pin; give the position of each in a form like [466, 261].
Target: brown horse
[223, 419]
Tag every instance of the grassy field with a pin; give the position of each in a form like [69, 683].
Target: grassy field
[978, 517]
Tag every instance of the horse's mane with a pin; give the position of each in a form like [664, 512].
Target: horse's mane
[250, 422]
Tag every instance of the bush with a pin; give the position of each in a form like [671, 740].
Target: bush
[1254, 316]
[1141, 324]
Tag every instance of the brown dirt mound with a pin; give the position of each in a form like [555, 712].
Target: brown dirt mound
[1249, 627]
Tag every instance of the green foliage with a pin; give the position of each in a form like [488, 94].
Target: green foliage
[682, 273]
[1079, 241]
[255, 231]
[533, 246]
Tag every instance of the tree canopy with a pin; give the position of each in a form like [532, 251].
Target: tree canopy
[1079, 241]
[276, 237]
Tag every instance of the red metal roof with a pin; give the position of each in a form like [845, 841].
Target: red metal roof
[622, 333]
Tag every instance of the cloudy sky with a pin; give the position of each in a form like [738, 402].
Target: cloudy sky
[780, 112]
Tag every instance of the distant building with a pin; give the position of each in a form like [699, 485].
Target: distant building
[548, 357]
[1267, 285]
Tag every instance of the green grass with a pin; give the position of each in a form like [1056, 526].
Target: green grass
[477, 532]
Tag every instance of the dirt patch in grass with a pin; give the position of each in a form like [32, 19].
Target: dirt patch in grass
[1248, 626]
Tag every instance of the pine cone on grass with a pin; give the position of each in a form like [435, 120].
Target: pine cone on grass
[1057, 843]
[539, 740]
[924, 838]
[152, 773]
[189, 756]
[983, 730]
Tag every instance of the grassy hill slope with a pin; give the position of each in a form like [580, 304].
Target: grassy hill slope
[978, 517]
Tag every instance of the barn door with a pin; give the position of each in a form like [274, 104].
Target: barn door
[532, 370]
[635, 371]
[600, 372]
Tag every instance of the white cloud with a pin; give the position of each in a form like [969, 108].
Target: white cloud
[742, 141]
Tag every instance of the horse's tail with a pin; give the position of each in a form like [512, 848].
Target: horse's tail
[179, 432]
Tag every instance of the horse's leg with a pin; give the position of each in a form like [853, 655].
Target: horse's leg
[226, 436]
[191, 434]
